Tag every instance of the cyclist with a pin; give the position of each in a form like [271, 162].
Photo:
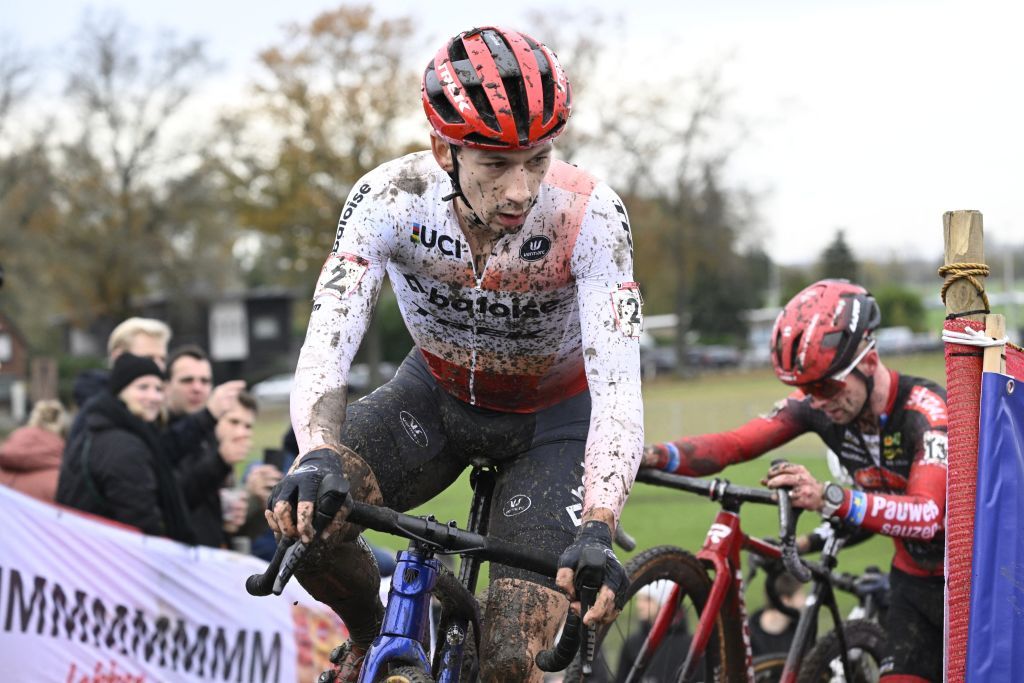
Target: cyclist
[890, 433]
[513, 273]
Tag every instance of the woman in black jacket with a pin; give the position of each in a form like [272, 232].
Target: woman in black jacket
[115, 468]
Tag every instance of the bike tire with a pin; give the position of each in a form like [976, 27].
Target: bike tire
[406, 674]
[866, 645]
[725, 655]
[768, 668]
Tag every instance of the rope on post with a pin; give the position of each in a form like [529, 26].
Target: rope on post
[952, 272]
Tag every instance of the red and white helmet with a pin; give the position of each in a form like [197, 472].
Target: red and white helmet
[819, 332]
[492, 88]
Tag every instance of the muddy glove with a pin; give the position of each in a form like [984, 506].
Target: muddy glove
[301, 484]
[596, 534]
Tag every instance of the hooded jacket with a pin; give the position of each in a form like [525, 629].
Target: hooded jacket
[30, 462]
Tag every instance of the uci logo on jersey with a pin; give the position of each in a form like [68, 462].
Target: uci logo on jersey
[429, 239]
[535, 248]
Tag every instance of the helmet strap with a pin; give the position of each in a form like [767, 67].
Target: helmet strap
[456, 192]
[869, 383]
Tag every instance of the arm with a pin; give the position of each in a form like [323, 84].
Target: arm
[610, 324]
[200, 473]
[918, 511]
[709, 453]
[343, 303]
[187, 434]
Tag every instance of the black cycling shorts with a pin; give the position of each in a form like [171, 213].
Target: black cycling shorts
[915, 625]
[418, 439]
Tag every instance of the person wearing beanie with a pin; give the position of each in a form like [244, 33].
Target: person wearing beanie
[115, 467]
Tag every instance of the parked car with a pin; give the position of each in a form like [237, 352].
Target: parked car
[274, 389]
[278, 388]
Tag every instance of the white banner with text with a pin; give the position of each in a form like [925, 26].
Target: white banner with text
[86, 601]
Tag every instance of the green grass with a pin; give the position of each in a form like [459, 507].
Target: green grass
[655, 516]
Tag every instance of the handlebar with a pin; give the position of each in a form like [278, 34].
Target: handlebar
[334, 494]
[732, 494]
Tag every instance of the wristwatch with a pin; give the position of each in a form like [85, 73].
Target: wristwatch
[831, 499]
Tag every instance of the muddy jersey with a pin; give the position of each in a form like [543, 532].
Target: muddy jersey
[554, 312]
[900, 472]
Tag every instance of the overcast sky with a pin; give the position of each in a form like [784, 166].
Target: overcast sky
[871, 115]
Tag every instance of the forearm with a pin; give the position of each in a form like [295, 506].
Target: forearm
[917, 512]
[705, 454]
[614, 449]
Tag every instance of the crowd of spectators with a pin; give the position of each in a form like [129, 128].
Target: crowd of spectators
[154, 445]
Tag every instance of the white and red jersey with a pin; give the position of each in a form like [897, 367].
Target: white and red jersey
[554, 312]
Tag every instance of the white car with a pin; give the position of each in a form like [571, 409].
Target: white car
[274, 389]
[278, 388]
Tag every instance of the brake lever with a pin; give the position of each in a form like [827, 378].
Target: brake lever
[332, 495]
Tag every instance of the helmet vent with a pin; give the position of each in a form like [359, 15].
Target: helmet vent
[793, 349]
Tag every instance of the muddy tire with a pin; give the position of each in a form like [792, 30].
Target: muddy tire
[768, 668]
[865, 646]
[651, 574]
[406, 674]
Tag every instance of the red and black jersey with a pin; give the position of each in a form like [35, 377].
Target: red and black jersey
[899, 470]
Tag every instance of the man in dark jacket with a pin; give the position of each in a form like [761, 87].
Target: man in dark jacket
[203, 465]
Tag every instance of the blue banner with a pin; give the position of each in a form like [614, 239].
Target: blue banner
[995, 635]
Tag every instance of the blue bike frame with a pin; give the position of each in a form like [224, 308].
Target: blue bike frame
[407, 617]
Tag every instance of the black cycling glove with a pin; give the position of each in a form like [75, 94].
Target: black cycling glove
[596, 534]
[302, 483]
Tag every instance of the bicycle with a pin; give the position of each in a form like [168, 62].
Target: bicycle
[719, 648]
[809, 660]
[399, 653]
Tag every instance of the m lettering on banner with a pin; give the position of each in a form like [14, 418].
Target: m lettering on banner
[40, 607]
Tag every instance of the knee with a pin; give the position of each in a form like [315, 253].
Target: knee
[507, 661]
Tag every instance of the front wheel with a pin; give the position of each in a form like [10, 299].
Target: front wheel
[652, 575]
[865, 647]
[407, 674]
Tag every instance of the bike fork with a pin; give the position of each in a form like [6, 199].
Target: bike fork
[407, 617]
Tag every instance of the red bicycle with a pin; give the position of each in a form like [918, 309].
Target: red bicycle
[671, 589]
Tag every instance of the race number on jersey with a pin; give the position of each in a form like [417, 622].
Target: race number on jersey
[627, 303]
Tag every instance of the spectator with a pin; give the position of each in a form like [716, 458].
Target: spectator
[145, 337]
[771, 630]
[202, 465]
[115, 467]
[30, 458]
[672, 653]
[242, 508]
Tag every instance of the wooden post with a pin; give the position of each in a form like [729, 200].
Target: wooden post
[995, 356]
[964, 239]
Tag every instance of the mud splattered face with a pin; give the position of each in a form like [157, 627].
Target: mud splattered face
[502, 187]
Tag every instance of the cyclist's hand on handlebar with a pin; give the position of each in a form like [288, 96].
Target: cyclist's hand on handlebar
[290, 507]
[653, 458]
[594, 534]
[804, 490]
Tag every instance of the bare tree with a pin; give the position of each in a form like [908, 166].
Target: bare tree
[336, 93]
[669, 150]
[116, 181]
[26, 202]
